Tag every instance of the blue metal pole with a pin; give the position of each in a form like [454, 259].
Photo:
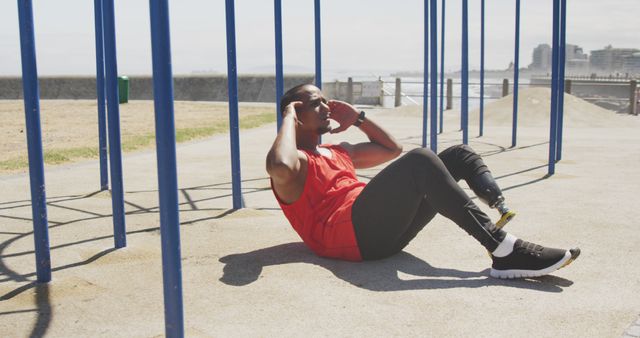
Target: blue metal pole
[234, 130]
[434, 75]
[425, 79]
[316, 5]
[34, 140]
[554, 88]
[516, 77]
[318, 30]
[102, 117]
[481, 132]
[464, 104]
[115, 151]
[442, 68]
[561, 66]
[167, 174]
[279, 68]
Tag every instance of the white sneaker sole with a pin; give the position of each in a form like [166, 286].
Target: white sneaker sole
[510, 274]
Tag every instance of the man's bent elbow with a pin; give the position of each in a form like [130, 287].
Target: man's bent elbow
[397, 151]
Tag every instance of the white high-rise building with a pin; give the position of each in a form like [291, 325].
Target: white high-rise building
[631, 64]
[576, 59]
[541, 60]
[612, 60]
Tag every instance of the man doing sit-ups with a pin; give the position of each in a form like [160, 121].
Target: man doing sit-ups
[339, 217]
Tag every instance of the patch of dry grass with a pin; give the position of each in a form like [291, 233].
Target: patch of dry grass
[70, 128]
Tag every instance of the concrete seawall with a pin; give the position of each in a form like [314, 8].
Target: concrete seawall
[615, 95]
[251, 88]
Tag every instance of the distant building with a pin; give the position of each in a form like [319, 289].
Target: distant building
[612, 60]
[541, 60]
[631, 64]
[576, 59]
[574, 52]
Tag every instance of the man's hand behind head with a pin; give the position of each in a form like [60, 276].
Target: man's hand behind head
[343, 113]
[291, 109]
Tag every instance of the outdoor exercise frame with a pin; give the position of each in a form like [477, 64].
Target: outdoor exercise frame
[107, 89]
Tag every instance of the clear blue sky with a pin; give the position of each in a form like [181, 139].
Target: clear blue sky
[359, 36]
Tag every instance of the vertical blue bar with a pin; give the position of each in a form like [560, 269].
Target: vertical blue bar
[34, 140]
[102, 117]
[167, 176]
[442, 68]
[234, 132]
[316, 6]
[516, 78]
[115, 151]
[464, 104]
[434, 75]
[554, 88]
[279, 72]
[481, 132]
[425, 79]
[318, 30]
[561, 66]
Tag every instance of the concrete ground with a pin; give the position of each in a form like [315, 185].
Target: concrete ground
[246, 273]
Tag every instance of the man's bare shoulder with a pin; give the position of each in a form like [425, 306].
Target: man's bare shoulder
[290, 191]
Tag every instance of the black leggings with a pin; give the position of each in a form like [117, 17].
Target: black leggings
[407, 194]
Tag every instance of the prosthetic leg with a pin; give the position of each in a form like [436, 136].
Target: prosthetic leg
[487, 190]
[464, 163]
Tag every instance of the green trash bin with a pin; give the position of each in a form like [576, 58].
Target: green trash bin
[123, 89]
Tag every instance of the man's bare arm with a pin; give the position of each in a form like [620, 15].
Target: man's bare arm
[283, 160]
[381, 147]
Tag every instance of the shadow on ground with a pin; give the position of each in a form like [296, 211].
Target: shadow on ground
[42, 302]
[383, 275]
[43, 308]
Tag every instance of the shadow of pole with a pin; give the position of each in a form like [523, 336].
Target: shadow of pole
[89, 215]
[45, 311]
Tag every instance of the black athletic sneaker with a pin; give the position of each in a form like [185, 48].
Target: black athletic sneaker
[531, 260]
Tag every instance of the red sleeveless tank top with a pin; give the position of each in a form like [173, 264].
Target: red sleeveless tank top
[322, 214]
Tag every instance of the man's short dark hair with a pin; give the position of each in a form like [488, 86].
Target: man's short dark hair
[291, 95]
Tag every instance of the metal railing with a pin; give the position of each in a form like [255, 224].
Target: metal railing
[616, 94]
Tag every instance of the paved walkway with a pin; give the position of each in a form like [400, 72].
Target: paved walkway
[246, 273]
